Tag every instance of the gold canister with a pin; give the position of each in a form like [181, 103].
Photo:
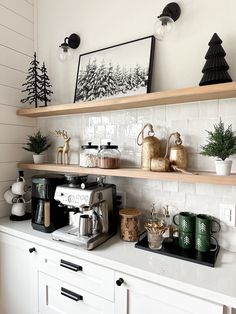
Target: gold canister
[150, 146]
[129, 224]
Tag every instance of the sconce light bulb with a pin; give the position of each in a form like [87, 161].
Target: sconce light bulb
[162, 27]
[64, 53]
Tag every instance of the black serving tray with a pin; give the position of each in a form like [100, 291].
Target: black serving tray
[174, 250]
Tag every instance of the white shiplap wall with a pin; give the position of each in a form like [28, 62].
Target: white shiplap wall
[16, 50]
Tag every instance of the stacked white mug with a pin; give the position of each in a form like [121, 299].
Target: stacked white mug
[14, 196]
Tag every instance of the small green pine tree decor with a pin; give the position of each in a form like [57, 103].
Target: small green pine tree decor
[221, 142]
[37, 143]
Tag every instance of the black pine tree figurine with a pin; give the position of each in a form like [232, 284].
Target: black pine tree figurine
[216, 68]
[33, 83]
[45, 85]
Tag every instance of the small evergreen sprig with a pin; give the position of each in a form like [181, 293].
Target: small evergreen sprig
[37, 143]
[221, 142]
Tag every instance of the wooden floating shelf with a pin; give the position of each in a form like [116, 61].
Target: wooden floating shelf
[201, 177]
[199, 93]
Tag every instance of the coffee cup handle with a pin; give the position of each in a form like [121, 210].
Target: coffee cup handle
[175, 220]
[20, 199]
[216, 244]
[218, 224]
[20, 178]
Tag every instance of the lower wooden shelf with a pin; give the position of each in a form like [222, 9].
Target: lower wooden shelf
[200, 177]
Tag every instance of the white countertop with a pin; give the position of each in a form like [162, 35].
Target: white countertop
[216, 284]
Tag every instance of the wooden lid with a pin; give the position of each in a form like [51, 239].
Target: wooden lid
[130, 212]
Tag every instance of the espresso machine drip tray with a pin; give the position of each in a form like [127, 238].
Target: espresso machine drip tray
[71, 235]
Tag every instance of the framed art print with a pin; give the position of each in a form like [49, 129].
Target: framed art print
[116, 71]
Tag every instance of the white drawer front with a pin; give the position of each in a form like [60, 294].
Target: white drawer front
[82, 274]
[58, 297]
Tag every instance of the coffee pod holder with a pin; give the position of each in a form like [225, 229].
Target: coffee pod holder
[18, 198]
[173, 249]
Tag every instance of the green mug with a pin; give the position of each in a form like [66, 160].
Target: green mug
[186, 221]
[204, 225]
[186, 240]
[203, 243]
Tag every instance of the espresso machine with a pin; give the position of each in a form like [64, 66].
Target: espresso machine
[92, 207]
[46, 214]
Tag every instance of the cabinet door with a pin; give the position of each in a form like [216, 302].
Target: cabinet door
[18, 276]
[58, 297]
[135, 296]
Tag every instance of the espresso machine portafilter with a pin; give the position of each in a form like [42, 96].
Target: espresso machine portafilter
[92, 212]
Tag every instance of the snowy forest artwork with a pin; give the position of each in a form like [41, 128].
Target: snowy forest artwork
[117, 71]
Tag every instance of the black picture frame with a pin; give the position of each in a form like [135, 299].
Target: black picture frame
[113, 72]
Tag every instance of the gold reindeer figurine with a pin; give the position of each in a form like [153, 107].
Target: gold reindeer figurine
[63, 151]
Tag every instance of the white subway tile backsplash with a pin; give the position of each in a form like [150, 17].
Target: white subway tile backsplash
[187, 187]
[227, 107]
[110, 131]
[173, 112]
[145, 115]
[106, 118]
[95, 119]
[180, 126]
[159, 114]
[213, 190]
[190, 110]
[208, 109]
[99, 131]
[202, 203]
[177, 199]
[171, 186]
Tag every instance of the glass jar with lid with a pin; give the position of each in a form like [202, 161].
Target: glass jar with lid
[109, 157]
[89, 156]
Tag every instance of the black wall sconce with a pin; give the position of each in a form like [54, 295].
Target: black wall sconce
[64, 50]
[166, 20]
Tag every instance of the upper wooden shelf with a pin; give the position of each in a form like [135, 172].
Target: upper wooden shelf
[199, 93]
[201, 177]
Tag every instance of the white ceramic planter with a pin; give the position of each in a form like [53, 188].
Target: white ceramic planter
[38, 159]
[223, 168]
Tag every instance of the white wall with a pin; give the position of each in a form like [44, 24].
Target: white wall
[16, 50]
[178, 63]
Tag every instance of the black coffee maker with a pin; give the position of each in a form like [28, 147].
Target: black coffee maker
[47, 216]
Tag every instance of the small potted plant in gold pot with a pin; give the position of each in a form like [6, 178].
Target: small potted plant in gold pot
[221, 143]
[37, 143]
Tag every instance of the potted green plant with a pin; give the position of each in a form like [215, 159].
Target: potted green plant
[221, 143]
[37, 143]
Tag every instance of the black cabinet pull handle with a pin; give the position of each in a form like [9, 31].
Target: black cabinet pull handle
[32, 249]
[71, 295]
[119, 281]
[70, 266]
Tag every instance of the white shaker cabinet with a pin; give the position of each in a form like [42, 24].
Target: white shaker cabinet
[18, 276]
[47, 281]
[136, 296]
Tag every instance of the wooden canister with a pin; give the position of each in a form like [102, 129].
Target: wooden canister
[129, 225]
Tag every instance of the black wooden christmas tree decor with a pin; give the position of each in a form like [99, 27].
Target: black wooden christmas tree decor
[45, 85]
[33, 83]
[216, 68]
